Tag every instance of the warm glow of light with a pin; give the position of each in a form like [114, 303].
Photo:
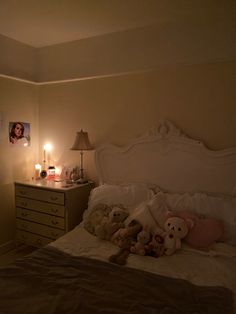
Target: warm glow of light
[47, 147]
[38, 166]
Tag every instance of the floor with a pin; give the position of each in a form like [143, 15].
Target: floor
[12, 255]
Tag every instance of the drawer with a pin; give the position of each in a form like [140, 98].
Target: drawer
[32, 239]
[44, 207]
[41, 218]
[40, 194]
[49, 232]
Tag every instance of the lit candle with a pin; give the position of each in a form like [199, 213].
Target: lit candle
[37, 171]
[47, 149]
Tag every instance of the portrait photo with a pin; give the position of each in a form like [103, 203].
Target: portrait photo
[19, 133]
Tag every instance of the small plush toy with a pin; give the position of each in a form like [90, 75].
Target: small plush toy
[205, 232]
[111, 224]
[155, 247]
[96, 216]
[125, 234]
[124, 238]
[139, 247]
[176, 228]
[121, 256]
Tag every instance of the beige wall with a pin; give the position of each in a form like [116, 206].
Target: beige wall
[19, 102]
[17, 59]
[182, 42]
[200, 99]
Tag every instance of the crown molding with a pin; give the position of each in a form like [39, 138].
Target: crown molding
[93, 77]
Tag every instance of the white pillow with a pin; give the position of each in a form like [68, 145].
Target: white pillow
[151, 213]
[219, 207]
[128, 195]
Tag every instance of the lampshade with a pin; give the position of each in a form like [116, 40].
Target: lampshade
[82, 141]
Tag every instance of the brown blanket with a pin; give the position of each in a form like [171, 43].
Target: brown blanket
[49, 281]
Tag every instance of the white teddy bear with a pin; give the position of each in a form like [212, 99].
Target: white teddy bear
[176, 229]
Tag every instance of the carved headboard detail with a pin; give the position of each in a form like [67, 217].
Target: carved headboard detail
[165, 156]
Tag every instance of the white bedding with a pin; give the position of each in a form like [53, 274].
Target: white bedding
[158, 159]
[217, 267]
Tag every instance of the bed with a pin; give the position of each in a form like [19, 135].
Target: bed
[74, 274]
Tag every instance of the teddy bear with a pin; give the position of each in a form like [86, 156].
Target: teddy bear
[111, 224]
[125, 234]
[95, 217]
[176, 229]
[124, 237]
[143, 238]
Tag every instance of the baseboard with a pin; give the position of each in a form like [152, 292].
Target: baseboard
[6, 247]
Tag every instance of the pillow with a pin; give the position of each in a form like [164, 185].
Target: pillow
[218, 207]
[205, 231]
[128, 195]
[150, 214]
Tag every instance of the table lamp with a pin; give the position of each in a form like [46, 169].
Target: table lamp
[81, 143]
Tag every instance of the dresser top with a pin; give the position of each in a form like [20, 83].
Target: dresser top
[51, 184]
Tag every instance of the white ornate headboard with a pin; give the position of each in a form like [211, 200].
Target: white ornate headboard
[167, 157]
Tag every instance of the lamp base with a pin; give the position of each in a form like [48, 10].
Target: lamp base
[81, 181]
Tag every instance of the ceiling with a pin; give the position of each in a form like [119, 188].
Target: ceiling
[42, 23]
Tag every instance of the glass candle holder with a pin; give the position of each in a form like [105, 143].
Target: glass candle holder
[37, 171]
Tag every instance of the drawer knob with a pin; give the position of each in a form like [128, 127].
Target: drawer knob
[55, 235]
[39, 241]
[54, 198]
[24, 214]
[54, 210]
[22, 192]
[54, 222]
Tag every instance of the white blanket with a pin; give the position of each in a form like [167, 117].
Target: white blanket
[214, 268]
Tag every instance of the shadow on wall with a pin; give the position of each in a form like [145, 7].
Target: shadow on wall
[7, 221]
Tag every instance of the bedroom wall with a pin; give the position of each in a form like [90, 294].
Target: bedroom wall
[17, 59]
[200, 99]
[183, 70]
[19, 101]
[184, 41]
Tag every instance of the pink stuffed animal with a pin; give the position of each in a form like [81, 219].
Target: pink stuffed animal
[205, 232]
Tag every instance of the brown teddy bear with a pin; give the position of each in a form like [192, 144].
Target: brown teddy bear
[124, 238]
[156, 246]
[143, 238]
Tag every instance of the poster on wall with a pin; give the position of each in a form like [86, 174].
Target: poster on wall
[19, 133]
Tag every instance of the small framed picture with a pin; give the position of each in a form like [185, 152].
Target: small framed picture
[66, 173]
[19, 133]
